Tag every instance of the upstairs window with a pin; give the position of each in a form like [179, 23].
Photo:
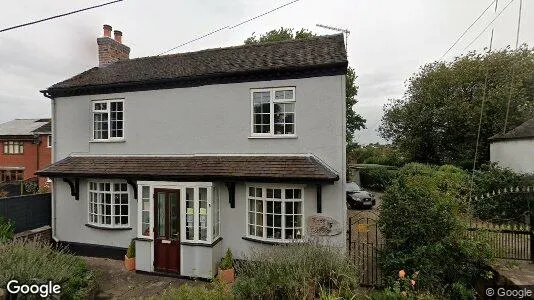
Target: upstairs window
[108, 120]
[273, 112]
[13, 147]
[49, 141]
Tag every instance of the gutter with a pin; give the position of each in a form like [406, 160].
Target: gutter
[53, 190]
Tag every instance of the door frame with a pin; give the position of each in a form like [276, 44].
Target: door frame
[165, 185]
[167, 191]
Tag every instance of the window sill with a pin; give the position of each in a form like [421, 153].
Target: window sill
[107, 141]
[217, 240]
[292, 136]
[108, 228]
[266, 242]
[144, 239]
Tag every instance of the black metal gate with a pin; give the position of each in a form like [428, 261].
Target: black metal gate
[364, 243]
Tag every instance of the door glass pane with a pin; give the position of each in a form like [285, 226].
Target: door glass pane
[173, 214]
[161, 215]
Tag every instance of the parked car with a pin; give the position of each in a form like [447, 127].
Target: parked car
[359, 198]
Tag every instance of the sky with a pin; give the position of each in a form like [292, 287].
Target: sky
[389, 40]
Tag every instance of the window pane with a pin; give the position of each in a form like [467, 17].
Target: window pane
[161, 215]
[145, 192]
[175, 220]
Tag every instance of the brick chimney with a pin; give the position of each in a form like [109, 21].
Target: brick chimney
[111, 50]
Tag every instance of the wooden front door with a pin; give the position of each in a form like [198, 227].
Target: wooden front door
[166, 230]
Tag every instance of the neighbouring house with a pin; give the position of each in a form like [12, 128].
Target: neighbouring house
[194, 153]
[515, 149]
[26, 147]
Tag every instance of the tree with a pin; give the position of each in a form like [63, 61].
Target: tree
[437, 119]
[354, 120]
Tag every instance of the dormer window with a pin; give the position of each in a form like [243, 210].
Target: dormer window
[108, 120]
[273, 112]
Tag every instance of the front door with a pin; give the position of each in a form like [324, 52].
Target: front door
[166, 230]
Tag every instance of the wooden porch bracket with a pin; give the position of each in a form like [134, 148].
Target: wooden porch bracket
[319, 198]
[133, 184]
[231, 193]
[74, 187]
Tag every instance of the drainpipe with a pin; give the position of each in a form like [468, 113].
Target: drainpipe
[53, 190]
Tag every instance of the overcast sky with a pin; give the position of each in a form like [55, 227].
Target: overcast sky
[389, 39]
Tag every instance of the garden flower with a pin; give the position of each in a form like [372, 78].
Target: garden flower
[412, 282]
[402, 274]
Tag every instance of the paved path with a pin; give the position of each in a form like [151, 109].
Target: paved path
[518, 272]
[117, 283]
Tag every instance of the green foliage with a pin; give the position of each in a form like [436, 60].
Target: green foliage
[7, 230]
[388, 155]
[130, 253]
[227, 261]
[282, 34]
[508, 206]
[437, 119]
[295, 271]
[354, 121]
[423, 220]
[377, 178]
[32, 262]
[405, 287]
[198, 292]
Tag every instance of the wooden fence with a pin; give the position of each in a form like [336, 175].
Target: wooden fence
[27, 212]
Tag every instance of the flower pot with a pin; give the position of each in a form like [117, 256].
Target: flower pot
[129, 263]
[226, 276]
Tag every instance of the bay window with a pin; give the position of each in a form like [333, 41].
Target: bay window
[273, 112]
[109, 204]
[275, 213]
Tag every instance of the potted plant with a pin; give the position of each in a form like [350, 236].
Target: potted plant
[129, 258]
[226, 272]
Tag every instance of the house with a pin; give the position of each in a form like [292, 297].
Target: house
[194, 153]
[515, 148]
[26, 148]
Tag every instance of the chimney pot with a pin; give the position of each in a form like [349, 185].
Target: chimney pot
[118, 36]
[107, 31]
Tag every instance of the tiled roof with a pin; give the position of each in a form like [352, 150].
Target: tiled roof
[46, 128]
[317, 52]
[23, 126]
[525, 130]
[194, 168]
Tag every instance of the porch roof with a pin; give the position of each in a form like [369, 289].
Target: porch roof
[194, 168]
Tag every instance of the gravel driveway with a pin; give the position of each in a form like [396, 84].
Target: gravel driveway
[115, 282]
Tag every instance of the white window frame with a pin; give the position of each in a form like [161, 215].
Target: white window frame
[272, 101]
[10, 146]
[196, 214]
[108, 112]
[49, 141]
[264, 188]
[196, 220]
[111, 182]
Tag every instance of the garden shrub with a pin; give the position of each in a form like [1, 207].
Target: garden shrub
[377, 178]
[32, 262]
[216, 291]
[7, 230]
[509, 206]
[295, 271]
[423, 220]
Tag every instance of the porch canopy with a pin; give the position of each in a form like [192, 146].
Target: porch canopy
[229, 168]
